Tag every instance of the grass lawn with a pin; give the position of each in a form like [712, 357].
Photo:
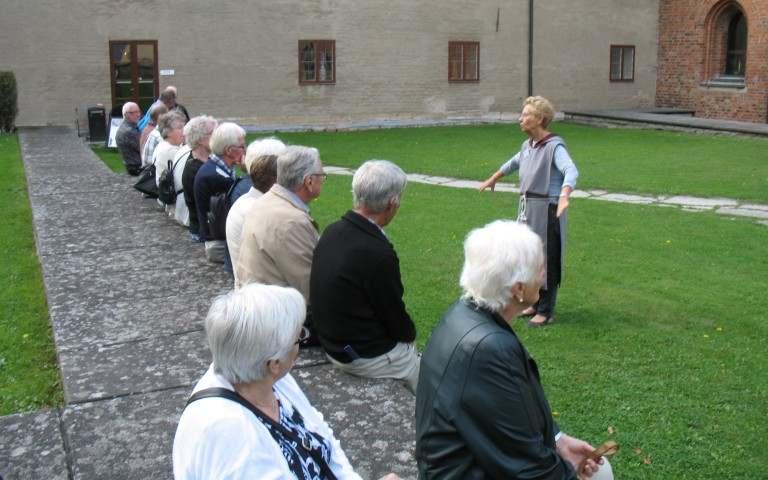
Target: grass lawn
[110, 157]
[615, 159]
[29, 377]
[659, 335]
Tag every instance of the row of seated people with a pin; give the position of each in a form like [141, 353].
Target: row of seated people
[248, 418]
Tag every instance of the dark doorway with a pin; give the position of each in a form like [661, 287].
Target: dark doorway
[133, 72]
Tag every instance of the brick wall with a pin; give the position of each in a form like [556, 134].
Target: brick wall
[692, 36]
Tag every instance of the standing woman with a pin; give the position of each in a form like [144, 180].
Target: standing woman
[547, 178]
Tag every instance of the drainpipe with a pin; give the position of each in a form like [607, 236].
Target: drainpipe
[530, 48]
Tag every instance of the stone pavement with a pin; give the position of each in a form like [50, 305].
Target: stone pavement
[723, 206]
[127, 293]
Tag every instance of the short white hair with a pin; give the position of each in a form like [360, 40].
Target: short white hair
[128, 105]
[227, 134]
[250, 326]
[376, 183]
[496, 257]
[198, 128]
[262, 146]
[295, 164]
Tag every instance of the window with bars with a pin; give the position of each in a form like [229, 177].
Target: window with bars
[317, 61]
[463, 61]
[622, 63]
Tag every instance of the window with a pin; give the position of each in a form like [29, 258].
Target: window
[133, 71]
[737, 45]
[622, 63]
[317, 61]
[463, 61]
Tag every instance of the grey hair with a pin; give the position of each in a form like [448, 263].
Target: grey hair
[262, 146]
[156, 110]
[295, 164]
[126, 106]
[169, 121]
[250, 326]
[376, 183]
[227, 134]
[168, 94]
[198, 128]
[496, 257]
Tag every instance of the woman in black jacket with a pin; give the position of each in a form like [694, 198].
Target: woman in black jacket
[480, 409]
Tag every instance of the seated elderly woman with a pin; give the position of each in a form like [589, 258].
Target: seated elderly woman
[197, 134]
[261, 164]
[481, 411]
[150, 136]
[171, 127]
[248, 418]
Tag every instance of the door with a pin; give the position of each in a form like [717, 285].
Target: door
[133, 72]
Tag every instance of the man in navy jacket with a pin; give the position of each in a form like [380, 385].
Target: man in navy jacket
[355, 287]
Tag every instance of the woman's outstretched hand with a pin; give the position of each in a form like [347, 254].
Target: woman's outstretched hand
[491, 182]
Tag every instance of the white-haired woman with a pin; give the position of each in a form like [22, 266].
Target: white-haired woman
[257, 423]
[197, 133]
[261, 165]
[481, 411]
[171, 128]
[547, 178]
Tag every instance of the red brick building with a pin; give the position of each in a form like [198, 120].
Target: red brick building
[713, 58]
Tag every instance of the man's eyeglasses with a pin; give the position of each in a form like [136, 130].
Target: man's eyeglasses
[324, 175]
[303, 335]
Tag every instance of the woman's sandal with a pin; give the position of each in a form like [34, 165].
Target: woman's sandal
[546, 322]
[607, 449]
[528, 312]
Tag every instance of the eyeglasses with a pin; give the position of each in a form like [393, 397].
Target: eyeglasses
[133, 111]
[303, 335]
[324, 175]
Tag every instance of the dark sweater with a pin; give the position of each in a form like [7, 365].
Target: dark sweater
[188, 182]
[356, 292]
[214, 177]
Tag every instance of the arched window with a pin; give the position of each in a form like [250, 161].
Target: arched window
[725, 62]
[737, 45]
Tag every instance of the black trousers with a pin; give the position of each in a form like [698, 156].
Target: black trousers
[548, 296]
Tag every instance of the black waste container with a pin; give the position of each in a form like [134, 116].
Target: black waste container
[97, 124]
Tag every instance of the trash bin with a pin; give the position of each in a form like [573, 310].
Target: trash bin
[97, 124]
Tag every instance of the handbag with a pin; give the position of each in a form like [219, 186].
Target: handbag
[167, 185]
[146, 183]
[217, 213]
[236, 397]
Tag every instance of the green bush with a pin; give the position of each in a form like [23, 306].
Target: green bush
[8, 107]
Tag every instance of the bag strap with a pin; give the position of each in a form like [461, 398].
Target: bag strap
[218, 392]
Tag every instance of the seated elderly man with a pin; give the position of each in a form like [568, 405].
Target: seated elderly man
[261, 164]
[355, 287]
[216, 176]
[481, 411]
[279, 236]
[127, 138]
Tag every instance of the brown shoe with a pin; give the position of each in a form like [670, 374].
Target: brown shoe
[540, 321]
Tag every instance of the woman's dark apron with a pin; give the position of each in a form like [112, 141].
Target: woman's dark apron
[533, 209]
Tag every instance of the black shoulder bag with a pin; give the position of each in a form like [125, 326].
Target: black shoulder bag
[236, 397]
[217, 213]
[146, 183]
[167, 184]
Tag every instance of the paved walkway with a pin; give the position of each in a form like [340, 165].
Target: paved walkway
[661, 118]
[723, 206]
[127, 294]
